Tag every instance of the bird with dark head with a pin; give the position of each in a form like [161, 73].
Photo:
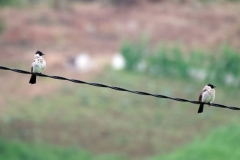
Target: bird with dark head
[212, 86]
[40, 53]
[38, 66]
[207, 95]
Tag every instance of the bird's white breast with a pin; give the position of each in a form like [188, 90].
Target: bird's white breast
[38, 65]
[208, 96]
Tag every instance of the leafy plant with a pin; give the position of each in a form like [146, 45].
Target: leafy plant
[8, 2]
[170, 62]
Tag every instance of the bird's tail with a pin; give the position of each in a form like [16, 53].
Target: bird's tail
[200, 110]
[33, 79]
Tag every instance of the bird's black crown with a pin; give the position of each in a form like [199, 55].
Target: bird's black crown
[212, 86]
[40, 53]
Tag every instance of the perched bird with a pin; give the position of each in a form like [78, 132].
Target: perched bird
[38, 66]
[207, 95]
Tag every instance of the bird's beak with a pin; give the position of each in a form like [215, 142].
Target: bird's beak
[43, 54]
[215, 86]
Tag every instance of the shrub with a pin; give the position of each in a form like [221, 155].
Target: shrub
[170, 62]
[8, 2]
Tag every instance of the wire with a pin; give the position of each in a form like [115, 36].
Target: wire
[120, 89]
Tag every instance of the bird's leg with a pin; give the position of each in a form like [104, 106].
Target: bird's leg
[209, 103]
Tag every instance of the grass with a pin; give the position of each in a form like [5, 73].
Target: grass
[105, 121]
[18, 150]
[8, 3]
[222, 143]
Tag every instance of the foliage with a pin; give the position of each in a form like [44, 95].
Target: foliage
[19, 150]
[116, 122]
[221, 144]
[134, 53]
[2, 26]
[122, 2]
[8, 2]
[222, 68]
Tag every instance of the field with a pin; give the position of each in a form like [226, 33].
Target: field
[106, 121]
[62, 120]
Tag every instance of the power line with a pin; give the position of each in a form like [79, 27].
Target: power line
[119, 89]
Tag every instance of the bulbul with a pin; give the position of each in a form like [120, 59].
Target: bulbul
[207, 95]
[38, 66]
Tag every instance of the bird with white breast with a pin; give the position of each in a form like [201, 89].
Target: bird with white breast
[207, 95]
[38, 66]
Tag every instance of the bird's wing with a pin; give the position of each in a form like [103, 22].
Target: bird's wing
[201, 95]
[200, 98]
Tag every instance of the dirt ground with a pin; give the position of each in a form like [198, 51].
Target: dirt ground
[100, 29]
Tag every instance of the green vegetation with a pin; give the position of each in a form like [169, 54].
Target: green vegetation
[173, 62]
[64, 3]
[127, 2]
[18, 150]
[8, 2]
[103, 124]
[22, 151]
[134, 53]
[221, 144]
[2, 26]
[101, 120]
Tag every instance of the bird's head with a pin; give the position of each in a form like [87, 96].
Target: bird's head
[212, 86]
[39, 53]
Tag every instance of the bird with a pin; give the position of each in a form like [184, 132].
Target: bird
[38, 66]
[207, 95]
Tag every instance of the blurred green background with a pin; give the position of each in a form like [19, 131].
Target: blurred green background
[169, 47]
